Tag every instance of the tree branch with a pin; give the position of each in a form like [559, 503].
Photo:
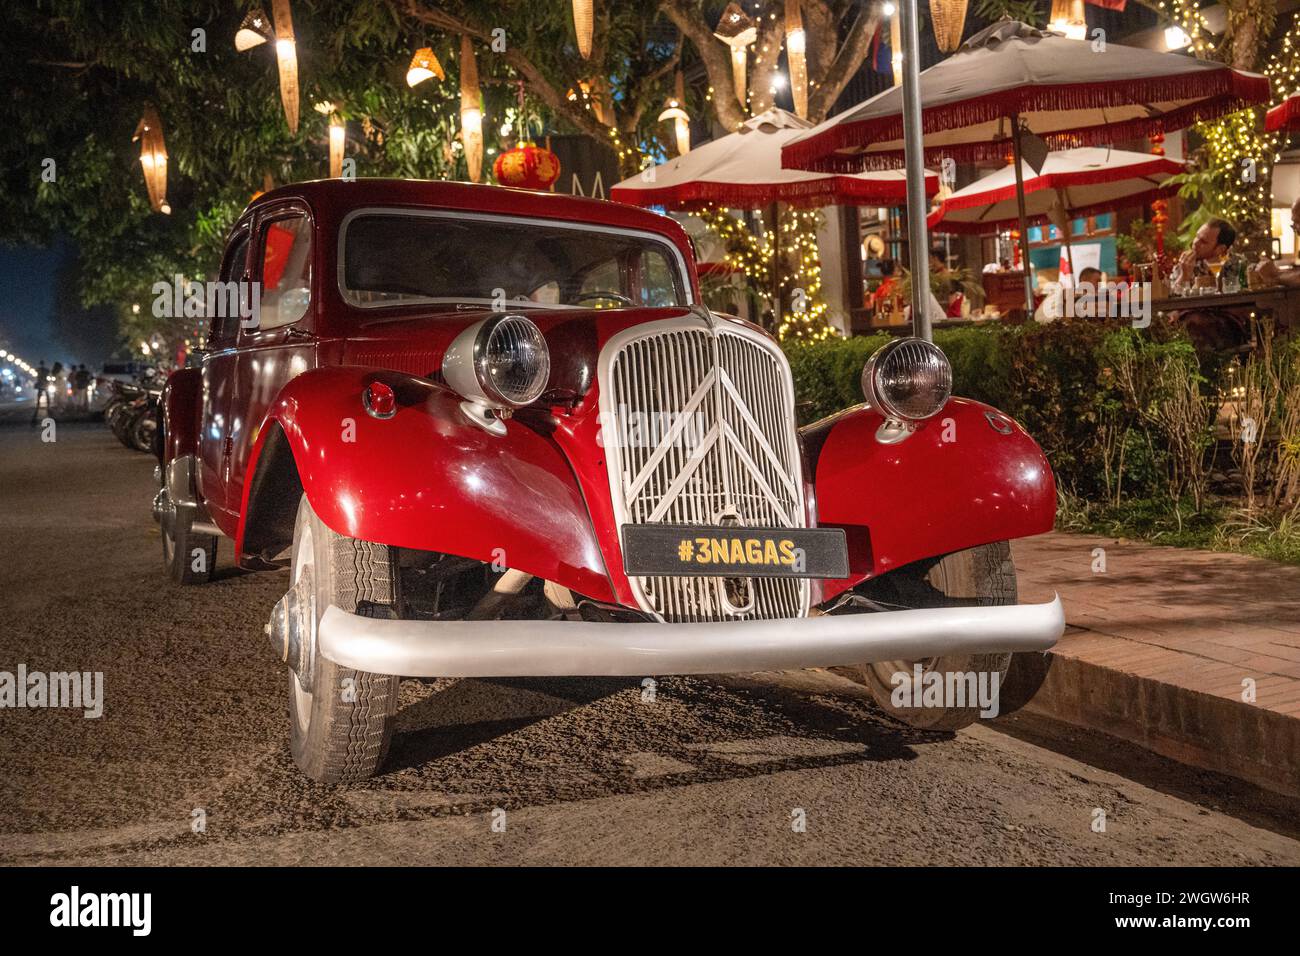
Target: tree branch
[852, 52]
[689, 20]
[581, 118]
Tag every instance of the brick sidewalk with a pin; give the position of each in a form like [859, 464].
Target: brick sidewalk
[1158, 647]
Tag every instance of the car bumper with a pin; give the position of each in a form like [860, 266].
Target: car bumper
[590, 649]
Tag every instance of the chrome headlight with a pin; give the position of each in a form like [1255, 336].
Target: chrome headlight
[908, 379]
[501, 362]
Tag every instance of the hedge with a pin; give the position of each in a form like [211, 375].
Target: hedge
[1053, 378]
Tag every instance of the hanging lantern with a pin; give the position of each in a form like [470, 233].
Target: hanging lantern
[949, 18]
[153, 158]
[582, 21]
[338, 137]
[796, 42]
[737, 29]
[286, 54]
[527, 166]
[471, 111]
[896, 49]
[254, 30]
[681, 119]
[424, 66]
[1068, 18]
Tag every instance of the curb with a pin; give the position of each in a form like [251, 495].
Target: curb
[1203, 730]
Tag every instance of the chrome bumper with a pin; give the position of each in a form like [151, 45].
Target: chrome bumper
[587, 649]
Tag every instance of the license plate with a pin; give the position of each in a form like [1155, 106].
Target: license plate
[694, 550]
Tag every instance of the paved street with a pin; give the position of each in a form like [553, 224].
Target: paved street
[712, 771]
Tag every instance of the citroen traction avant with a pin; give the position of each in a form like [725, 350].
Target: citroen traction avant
[495, 433]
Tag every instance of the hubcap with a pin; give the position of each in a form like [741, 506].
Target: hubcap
[304, 566]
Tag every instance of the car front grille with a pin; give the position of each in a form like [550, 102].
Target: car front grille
[704, 434]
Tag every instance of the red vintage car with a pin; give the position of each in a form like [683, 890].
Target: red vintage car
[495, 433]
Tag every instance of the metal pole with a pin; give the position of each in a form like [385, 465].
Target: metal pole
[918, 247]
[1020, 209]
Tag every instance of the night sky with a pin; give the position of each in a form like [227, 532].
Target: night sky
[30, 324]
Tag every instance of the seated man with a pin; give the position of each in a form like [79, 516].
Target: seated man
[1210, 329]
[1212, 241]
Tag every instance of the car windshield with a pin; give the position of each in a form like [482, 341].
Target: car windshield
[397, 259]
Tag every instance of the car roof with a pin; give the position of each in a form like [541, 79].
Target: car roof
[339, 197]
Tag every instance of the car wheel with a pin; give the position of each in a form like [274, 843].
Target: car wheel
[189, 558]
[980, 576]
[341, 723]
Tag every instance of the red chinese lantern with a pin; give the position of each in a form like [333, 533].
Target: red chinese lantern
[527, 166]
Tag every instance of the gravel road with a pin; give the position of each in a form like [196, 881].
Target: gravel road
[579, 771]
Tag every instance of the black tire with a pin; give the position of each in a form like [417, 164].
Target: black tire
[982, 576]
[143, 429]
[341, 726]
[188, 557]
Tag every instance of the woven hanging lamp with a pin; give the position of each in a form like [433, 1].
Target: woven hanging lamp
[424, 66]
[949, 18]
[1068, 18]
[896, 49]
[153, 158]
[737, 29]
[471, 111]
[583, 16]
[254, 30]
[286, 55]
[796, 42]
[676, 112]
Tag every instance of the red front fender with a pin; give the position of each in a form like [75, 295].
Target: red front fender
[429, 479]
[966, 477]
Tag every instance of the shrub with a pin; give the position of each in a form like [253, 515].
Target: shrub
[1058, 380]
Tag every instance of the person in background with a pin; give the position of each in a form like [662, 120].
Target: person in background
[42, 395]
[888, 284]
[81, 387]
[1268, 270]
[1213, 240]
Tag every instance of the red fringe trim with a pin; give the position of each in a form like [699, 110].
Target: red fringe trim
[1110, 4]
[1216, 92]
[1284, 116]
[936, 224]
[813, 193]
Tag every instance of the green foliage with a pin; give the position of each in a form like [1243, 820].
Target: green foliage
[79, 76]
[1056, 379]
[1026, 11]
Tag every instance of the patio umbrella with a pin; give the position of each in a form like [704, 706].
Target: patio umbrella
[742, 170]
[1079, 182]
[1011, 80]
[1285, 117]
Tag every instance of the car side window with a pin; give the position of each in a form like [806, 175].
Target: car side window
[224, 325]
[658, 280]
[285, 270]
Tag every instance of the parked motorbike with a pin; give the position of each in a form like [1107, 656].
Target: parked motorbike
[132, 414]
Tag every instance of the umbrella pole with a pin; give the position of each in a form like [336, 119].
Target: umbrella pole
[914, 155]
[776, 267]
[1020, 210]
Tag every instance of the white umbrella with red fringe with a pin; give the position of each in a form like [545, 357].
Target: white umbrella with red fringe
[1285, 117]
[1080, 182]
[1015, 88]
[742, 170]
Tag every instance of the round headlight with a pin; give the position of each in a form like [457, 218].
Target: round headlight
[908, 379]
[501, 362]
